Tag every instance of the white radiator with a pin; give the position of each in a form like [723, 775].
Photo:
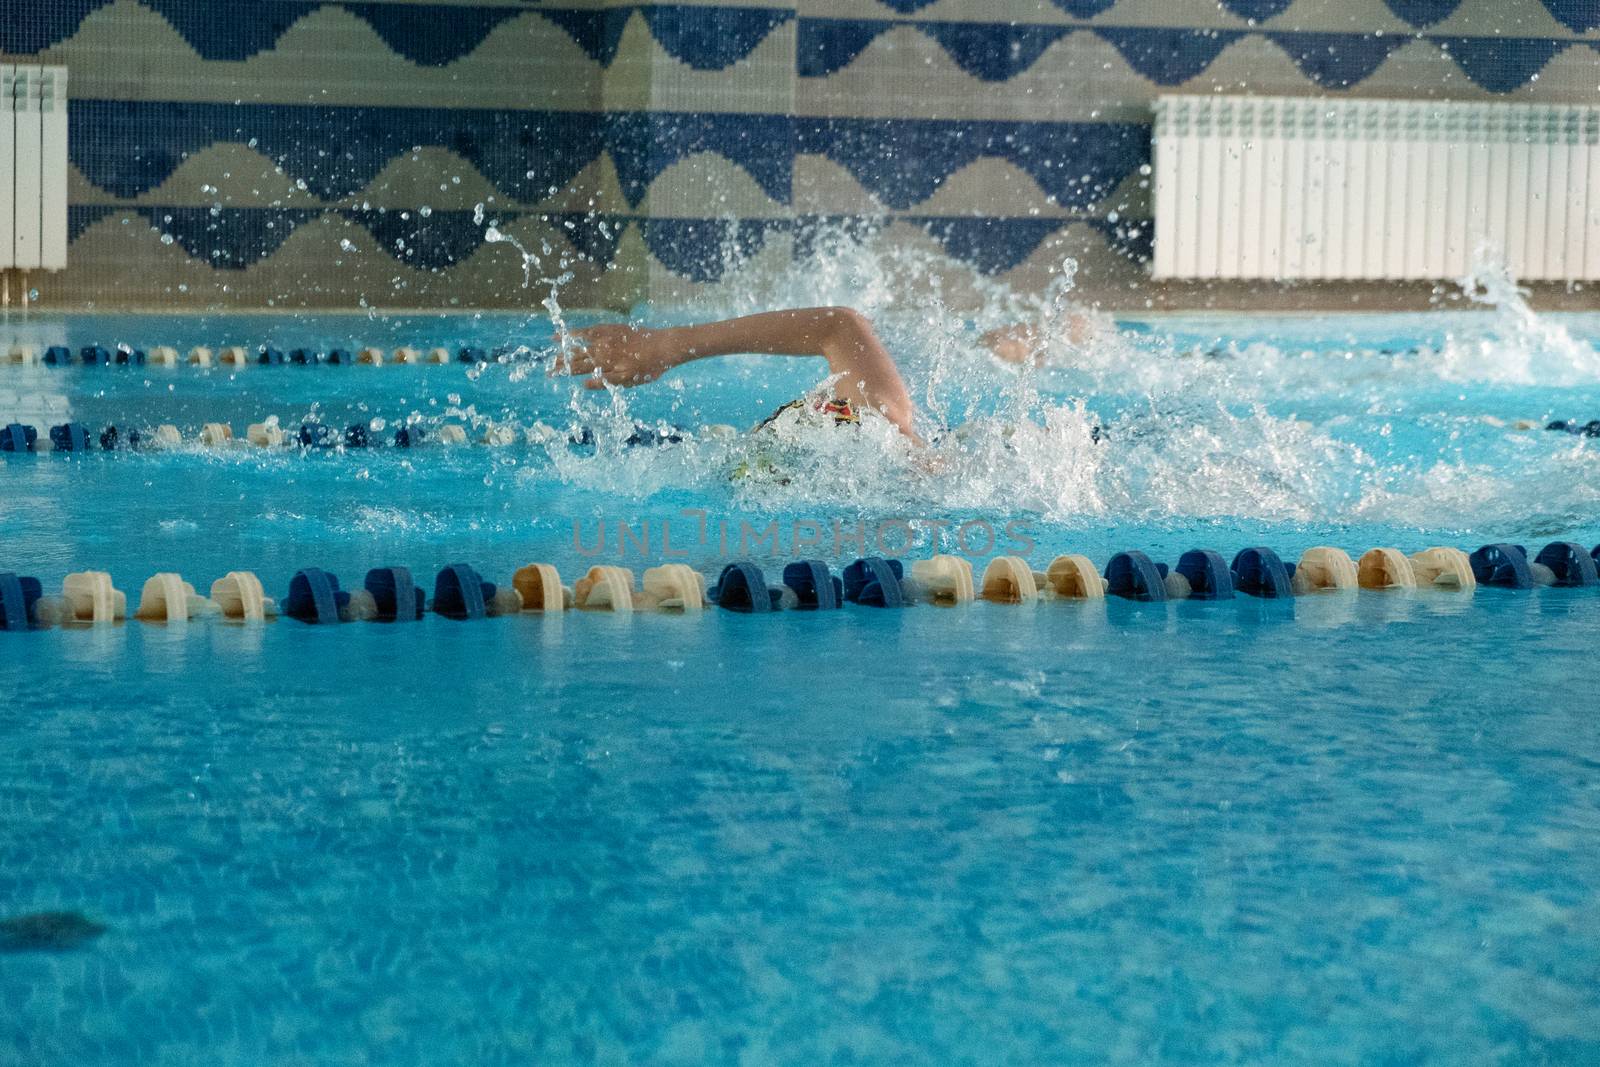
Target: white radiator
[33, 168]
[1287, 188]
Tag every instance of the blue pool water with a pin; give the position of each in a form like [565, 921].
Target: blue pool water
[1342, 829]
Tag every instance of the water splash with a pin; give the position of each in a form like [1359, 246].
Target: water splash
[1517, 346]
[1113, 425]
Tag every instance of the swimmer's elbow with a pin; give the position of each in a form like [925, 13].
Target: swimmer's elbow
[848, 320]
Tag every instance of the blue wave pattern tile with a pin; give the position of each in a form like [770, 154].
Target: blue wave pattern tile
[130, 147]
[1503, 64]
[1421, 13]
[230, 239]
[1579, 16]
[699, 249]
[1171, 56]
[429, 35]
[1337, 60]
[1168, 56]
[904, 161]
[1258, 10]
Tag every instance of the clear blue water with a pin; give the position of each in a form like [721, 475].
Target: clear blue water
[1344, 829]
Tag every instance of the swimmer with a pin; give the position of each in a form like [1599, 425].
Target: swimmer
[866, 376]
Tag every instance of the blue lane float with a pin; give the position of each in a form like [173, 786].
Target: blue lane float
[315, 597]
[874, 582]
[128, 356]
[70, 437]
[17, 437]
[58, 356]
[1133, 576]
[459, 593]
[357, 436]
[395, 595]
[1502, 565]
[318, 435]
[301, 357]
[19, 597]
[472, 355]
[1570, 564]
[341, 357]
[743, 588]
[94, 356]
[1207, 573]
[815, 587]
[1260, 573]
[410, 437]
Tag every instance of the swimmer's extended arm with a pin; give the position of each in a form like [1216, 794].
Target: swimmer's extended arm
[626, 355]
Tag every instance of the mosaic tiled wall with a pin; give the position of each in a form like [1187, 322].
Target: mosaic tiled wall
[297, 152]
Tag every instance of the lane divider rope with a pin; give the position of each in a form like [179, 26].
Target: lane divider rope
[390, 594]
[239, 356]
[69, 437]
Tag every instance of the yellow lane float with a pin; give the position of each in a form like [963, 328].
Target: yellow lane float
[1009, 580]
[540, 587]
[604, 589]
[1385, 568]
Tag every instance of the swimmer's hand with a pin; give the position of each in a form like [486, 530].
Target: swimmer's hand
[1027, 345]
[616, 354]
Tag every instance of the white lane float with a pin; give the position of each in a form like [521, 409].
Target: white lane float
[239, 596]
[234, 356]
[200, 356]
[944, 580]
[407, 354]
[1324, 569]
[89, 596]
[1442, 567]
[1075, 577]
[439, 355]
[372, 357]
[167, 597]
[673, 587]
[166, 436]
[165, 356]
[266, 434]
[216, 435]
